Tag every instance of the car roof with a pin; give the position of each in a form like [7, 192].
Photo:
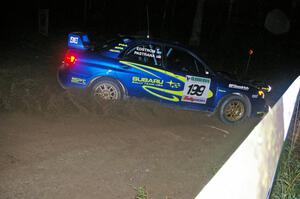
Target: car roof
[133, 40]
[136, 39]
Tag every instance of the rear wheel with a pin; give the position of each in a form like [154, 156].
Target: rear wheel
[106, 90]
[234, 109]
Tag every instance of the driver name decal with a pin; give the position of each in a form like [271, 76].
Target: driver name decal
[147, 52]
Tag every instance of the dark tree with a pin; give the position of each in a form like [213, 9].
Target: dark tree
[197, 24]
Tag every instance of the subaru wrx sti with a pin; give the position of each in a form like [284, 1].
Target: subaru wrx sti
[163, 71]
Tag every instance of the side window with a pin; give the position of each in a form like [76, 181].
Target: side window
[181, 61]
[148, 54]
[199, 66]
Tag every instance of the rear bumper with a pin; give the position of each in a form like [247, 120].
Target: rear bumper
[67, 78]
[61, 76]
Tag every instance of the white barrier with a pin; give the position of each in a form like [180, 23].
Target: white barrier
[249, 172]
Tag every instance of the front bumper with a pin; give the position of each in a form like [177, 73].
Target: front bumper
[259, 108]
[263, 112]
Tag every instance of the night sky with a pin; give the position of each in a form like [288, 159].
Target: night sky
[116, 16]
[170, 19]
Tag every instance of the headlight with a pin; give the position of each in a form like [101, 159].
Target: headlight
[261, 94]
[269, 88]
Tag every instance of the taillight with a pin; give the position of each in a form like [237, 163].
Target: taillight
[70, 59]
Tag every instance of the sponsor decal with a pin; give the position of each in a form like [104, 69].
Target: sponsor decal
[147, 81]
[223, 91]
[198, 79]
[245, 88]
[254, 96]
[158, 88]
[77, 80]
[123, 45]
[173, 84]
[196, 89]
[114, 51]
[119, 48]
[73, 40]
[192, 99]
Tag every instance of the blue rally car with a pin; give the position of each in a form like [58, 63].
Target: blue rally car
[163, 71]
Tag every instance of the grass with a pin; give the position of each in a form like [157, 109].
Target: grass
[287, 182]
[141, 193]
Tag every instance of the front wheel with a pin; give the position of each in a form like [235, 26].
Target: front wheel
[106, 90]
[234, 109]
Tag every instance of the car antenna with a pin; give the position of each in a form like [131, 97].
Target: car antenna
[250, 54]
[148, 29]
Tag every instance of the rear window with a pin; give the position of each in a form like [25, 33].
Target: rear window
[115, 45]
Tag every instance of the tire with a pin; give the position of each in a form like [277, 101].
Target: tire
[107, 89]
[234, 109]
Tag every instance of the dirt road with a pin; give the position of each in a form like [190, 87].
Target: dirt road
[171, 152]
[57, 144]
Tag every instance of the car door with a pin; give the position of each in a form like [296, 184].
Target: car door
[141, 70]
[187, 74]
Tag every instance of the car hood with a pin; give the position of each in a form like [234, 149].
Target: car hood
[232, 81]
[260, 85]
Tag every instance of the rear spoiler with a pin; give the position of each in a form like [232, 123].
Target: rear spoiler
[78, 40]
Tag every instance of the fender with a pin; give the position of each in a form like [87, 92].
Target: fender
[238, 94]
[93, 81]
